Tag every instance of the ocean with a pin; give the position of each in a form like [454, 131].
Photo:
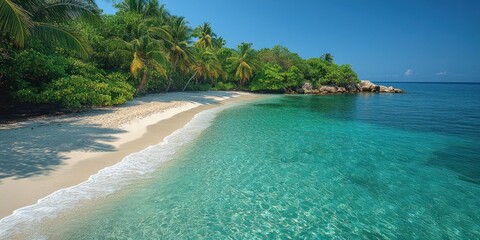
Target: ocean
[351, 166]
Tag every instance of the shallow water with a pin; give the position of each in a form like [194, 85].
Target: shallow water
[373, 166]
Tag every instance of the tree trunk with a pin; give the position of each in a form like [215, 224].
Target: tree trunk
[189, 81]
[143, 82]
[174, 68]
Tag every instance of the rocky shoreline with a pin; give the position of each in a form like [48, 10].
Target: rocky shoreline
[363, 86]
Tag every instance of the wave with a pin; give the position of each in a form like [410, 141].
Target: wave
[108, 180]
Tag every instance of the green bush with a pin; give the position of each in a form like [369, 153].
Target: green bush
[199, 87]
[120, 90]
[37, 68]
[273, 78]
[81, 68]
[77, 92]
[220, 86]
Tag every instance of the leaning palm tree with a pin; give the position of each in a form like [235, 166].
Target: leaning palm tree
[205, 35]
[47, 20]
[176, 40]
[245, 61]
[143, 53]
[205, 66]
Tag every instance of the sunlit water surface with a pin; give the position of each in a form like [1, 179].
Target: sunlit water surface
[373, 166]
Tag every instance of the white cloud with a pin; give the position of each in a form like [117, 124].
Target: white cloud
[441, 73]
[409, 72]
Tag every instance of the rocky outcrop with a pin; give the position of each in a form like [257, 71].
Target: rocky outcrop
[307, 87]
[363, 86]
[367, 86]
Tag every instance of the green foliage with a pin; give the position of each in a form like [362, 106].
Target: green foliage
[47, 20]
[338, 75]
[273, 78]
[141, 46]
[37, 68]
[323, 72]
[77, 92]
[245, 61]
[199, 87]
[281, 56]
[220, 86]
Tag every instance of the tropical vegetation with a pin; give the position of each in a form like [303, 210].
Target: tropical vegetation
[68, 54]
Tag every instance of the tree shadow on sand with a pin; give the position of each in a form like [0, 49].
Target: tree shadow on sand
[209, 97]
[36, 148]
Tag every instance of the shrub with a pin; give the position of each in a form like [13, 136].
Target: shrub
[77, 92]
[273, 78]
[199, 87]
[37, 68]
[220, 86]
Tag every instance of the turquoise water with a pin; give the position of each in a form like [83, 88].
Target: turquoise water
[373, 166]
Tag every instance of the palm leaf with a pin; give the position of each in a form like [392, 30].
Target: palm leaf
[15, 21]
[65, 37]
[137, 65]
[68, 10]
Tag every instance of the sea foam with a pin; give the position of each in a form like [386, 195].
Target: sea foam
[107, 180]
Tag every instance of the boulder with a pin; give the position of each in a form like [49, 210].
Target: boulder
[341, 90]
[351, 88]
[327, 89]
[366, 86]
[307, 87]
[384, 89]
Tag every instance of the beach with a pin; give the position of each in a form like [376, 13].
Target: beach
[46, 154]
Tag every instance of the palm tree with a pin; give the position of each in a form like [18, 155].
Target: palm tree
[176, 40]
[143, 53]
[147, 8]
[218, 43]
[327, 57]
[205, 35]
[47, 20]
[245, 61]
[205, 66]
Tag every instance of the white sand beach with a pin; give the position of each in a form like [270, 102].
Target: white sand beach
[46, 154]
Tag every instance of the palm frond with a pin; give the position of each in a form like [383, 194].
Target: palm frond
[65, 37]
[15, 21]
[137, 65]
[68, 10]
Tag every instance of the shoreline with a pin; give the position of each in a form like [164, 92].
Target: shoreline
[136, 135]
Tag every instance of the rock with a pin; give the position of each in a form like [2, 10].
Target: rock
[327, 89]
[363, 86]
[307, 87]
[351, 88]
[366, 86]
[384, 89]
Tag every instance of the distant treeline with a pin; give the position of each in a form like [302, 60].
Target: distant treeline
[67, 53]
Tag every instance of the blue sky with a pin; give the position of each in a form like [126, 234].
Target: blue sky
[383, 40]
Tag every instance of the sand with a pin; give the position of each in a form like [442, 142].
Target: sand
[41, 156]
